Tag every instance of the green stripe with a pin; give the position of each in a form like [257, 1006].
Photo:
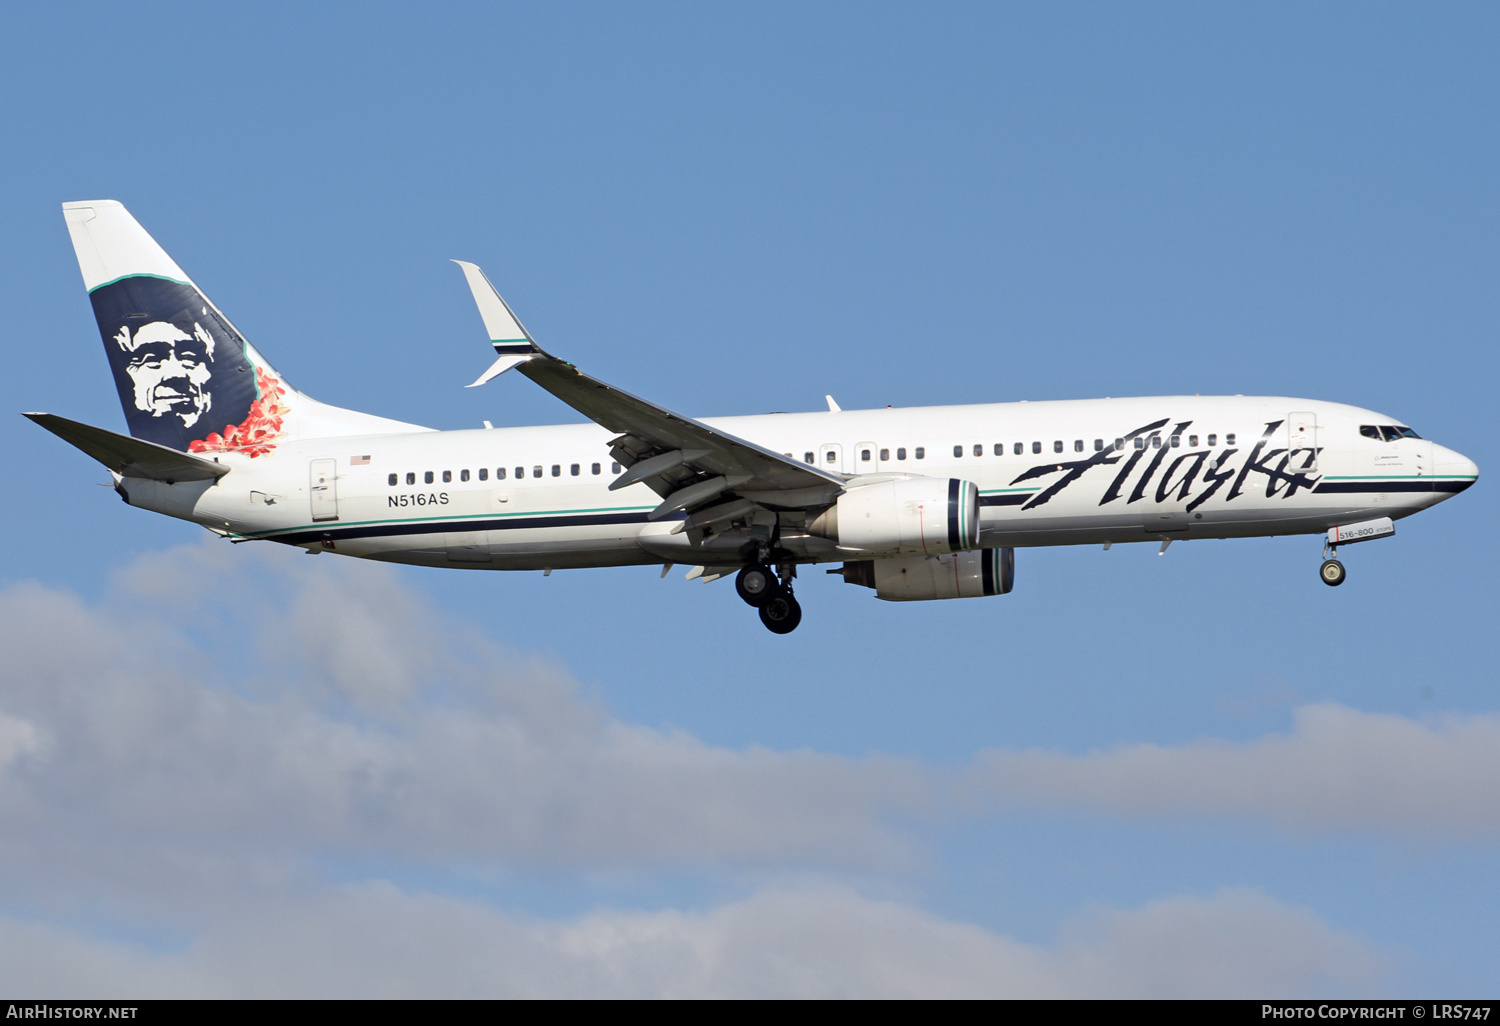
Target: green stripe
[323, 525]
[1004, 491]
[1406, 477]
[158, 277]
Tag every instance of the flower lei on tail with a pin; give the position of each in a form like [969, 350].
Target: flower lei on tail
[256, 433]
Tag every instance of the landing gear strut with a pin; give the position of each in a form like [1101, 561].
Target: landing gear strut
[1332, 571]
[779, 609]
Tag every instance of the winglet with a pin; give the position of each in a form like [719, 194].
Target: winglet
[510, 339]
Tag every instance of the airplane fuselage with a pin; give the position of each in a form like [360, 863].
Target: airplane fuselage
[1047, 473]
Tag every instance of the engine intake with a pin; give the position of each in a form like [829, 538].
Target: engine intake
[907, 516]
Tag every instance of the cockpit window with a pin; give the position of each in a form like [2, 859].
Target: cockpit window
[1387, 432]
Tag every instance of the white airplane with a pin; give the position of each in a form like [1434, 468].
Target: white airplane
[921, 503]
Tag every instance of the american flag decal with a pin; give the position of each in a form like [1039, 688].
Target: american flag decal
[359, 461]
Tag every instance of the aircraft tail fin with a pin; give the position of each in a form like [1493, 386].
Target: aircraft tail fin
[186, 377]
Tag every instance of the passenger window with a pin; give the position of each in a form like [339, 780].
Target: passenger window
[447, 477]
[411, 478]
[920, 453]
[427, 477]
[557, 470]
[1213, 440]
[520, 473]
[864, 455]
[614, 468]
[1140, 443]
[1193, 441]
[1036, 447]
[594, 469]
[463, 475]
[1057, 445]
[885, 454]
[958, 451]
[484, 473]
[807, 457]
[1078, 445]
[1019, 448]
[831, 457]
[574, 469]
[999, 448]
[499, 473]
[1176, 441]
[978, 450]
[1119, 444]
[536, 471]
[1156, 441]
[901, 453]
[1098, 445]
[1229, 438]
[391, 480]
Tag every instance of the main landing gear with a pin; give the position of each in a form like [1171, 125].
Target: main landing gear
[1332, 571]
[779, 609]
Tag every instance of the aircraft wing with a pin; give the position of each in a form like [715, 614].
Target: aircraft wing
[130, 457]
[688, 463]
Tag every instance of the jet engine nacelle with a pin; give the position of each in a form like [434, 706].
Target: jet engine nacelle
[907, 516]
[946, 576]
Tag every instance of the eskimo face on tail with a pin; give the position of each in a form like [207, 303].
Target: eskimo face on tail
[183, 373]
[169, 368]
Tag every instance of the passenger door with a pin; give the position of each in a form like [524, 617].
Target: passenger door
[322, 490]
[866, 458]
[1302, 442]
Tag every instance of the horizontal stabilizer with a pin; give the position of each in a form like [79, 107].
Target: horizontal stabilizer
[131, 457]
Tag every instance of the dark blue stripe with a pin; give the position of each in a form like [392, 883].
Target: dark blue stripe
[954, 541]
[1367, 487]
[515, 348]
[1005, 500]
[461, 526]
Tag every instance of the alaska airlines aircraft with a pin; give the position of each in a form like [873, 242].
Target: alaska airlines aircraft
[921, 503]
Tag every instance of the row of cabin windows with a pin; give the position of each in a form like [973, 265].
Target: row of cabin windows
[1019, 448]
[501, 473]
[832, 456]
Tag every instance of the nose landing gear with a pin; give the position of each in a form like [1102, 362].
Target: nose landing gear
[779, 609]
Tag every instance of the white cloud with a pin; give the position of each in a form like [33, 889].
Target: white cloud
[270, 709]
[375, 941]
[1338, 770]
[177, 758]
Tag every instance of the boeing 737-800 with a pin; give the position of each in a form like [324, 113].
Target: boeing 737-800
[918, 503]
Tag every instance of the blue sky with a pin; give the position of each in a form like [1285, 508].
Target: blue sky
[1203, 773]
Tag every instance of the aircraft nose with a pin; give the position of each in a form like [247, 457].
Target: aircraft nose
[1455, 467]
